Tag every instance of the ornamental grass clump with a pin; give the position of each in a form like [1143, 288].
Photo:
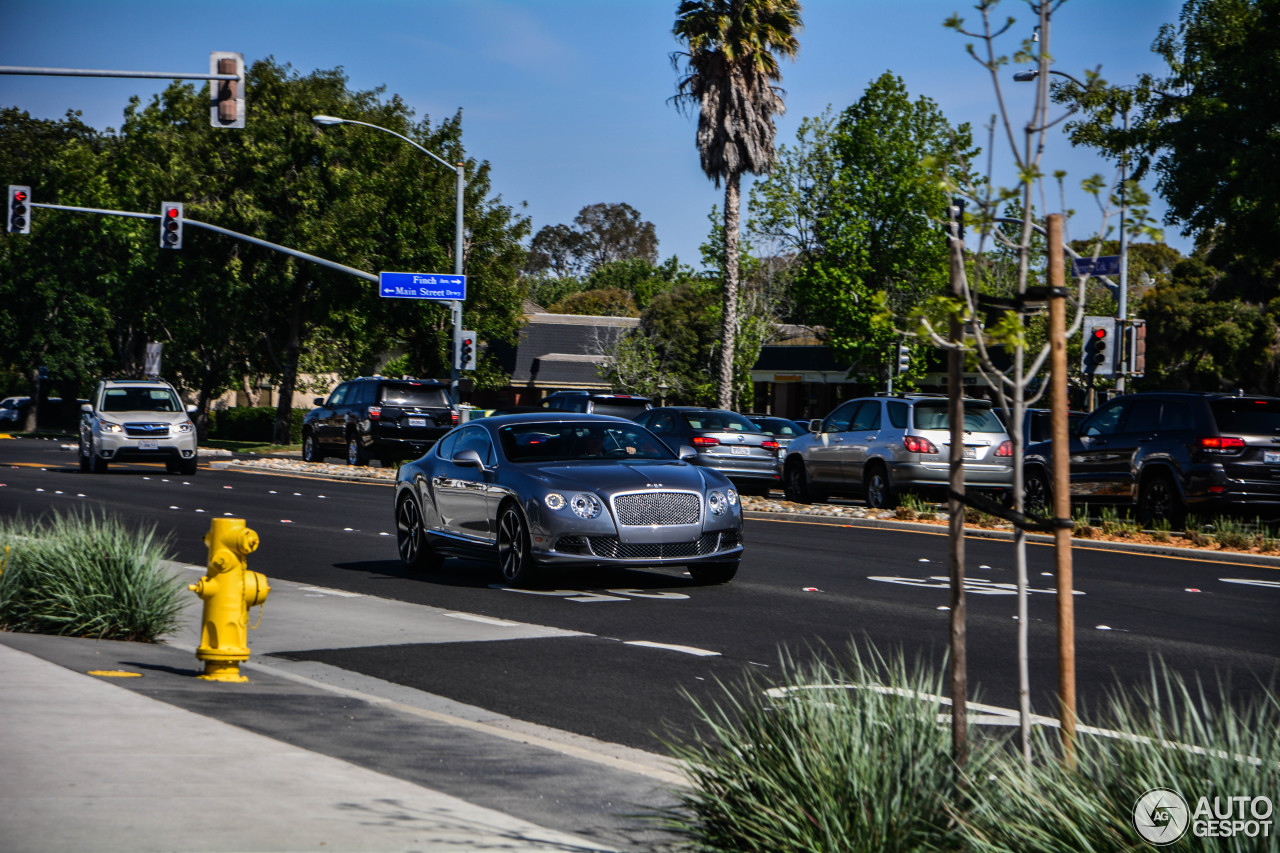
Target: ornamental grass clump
[841, 758]
[1165, 734]
[82, 575]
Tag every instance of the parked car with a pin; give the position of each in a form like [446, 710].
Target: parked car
[374, 417]
[1169, 453]
[724, 440]
[783, 430]
[879, 447]
[1037, 424]
[567, 489]
[598, 403]
[137, 420]
[12, 411]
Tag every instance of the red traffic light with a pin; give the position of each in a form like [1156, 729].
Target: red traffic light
[19, 196]
[172, 212]
[1099, 334]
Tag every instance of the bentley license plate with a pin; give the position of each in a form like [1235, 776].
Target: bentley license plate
[417, 422]
[147, 445]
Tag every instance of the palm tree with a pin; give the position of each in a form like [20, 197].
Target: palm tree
[733, 47]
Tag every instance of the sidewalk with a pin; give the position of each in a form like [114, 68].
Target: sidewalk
[305, 757]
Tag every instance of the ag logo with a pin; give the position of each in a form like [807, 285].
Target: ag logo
[1160, 816]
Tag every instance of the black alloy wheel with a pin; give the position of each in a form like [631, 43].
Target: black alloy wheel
[795, 484]
[356, 454]
[1036, 497]
[515, 563]
[1159, 500]
[880, 491]
[411, 538]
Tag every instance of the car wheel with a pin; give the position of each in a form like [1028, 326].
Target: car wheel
[84, 455]
[97, 465]
[1036, 498]
[795, 484]
[310, 449]
[718, 572]
[187, 467]
[515, 563]
[880, 491]
[356, 454]
[1158, 500]
[411, 538]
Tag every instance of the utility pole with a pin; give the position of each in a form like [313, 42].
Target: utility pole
[955, 502]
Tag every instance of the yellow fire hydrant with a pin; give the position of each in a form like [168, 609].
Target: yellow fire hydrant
[228, 590]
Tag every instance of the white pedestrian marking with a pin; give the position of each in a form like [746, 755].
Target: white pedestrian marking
[688, 650]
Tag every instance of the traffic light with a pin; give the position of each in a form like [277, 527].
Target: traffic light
[955, 217]
[171, 225]
[226, 97]
[1098, 356]
[466, 352]
[1136, 346]
[904, 358]
[19, 217]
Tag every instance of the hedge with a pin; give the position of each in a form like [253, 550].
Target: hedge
[252, 423]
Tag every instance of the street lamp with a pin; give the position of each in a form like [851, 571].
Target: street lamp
[455, 306]
[1122, 300]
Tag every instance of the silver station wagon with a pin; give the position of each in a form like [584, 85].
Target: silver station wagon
[565, 489]
[879, 447]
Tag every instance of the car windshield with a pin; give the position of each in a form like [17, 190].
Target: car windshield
[715, 421]
[571, 442]
[977, 418]
[780, 427]
[1254, 417]
[140, 400]
[414, 395]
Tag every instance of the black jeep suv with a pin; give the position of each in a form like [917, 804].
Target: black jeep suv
[1170, 453]
[374, 417]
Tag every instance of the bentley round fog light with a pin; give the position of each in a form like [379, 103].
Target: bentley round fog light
[717, 503]
[584, 505]
[554, 501]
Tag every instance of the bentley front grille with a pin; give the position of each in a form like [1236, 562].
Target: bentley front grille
[642, 509]
[609, 548]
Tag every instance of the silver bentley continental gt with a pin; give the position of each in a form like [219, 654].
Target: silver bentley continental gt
[565, 489]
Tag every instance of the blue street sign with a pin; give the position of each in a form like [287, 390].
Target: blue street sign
[422, 285]
[1105, 265]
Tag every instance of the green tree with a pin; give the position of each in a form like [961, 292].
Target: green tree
[731, 65]
[599, 302]
[601, 234]
[672, 352]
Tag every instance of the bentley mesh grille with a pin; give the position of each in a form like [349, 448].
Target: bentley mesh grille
[645, 508]
[608, 547]
[146, 430]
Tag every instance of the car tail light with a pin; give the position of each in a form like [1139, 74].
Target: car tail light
[704, 441]
[1217, 442]
[916, 444]
[375, 412]
[1005, 448]
[454, 415]
[770, 444]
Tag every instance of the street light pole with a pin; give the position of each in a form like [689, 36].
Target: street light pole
[455, 305]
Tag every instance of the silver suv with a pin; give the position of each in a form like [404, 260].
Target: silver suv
[879, 447]
[137, 420]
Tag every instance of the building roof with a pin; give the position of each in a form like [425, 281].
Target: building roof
[566, 350]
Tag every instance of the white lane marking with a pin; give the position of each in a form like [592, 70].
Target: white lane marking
[688, 650]
[585, 596]
[1251, 582]
[486, 620]
[635, 593]
[978, 586]
[326, 591]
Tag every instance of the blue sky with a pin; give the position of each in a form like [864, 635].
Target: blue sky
[567, 99]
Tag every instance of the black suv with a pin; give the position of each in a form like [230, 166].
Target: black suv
[598, 403]
[1170, 453]
[374, 417]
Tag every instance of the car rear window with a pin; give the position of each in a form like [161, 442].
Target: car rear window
[617, 408]
[414, 395]
[976, 418]
[1255, 417]
[720, 422]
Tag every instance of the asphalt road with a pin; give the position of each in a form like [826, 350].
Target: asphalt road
[647, 641]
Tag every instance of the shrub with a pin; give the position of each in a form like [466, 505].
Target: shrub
[828, 762]
[86, 576]
[253, 423]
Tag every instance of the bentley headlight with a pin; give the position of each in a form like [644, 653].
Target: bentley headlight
[732, 496]
[554, 501]
[107, 426]
[717, 503]
[585, 505]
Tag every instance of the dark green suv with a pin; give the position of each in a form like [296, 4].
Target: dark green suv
[375, 417]
[1170, 453]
